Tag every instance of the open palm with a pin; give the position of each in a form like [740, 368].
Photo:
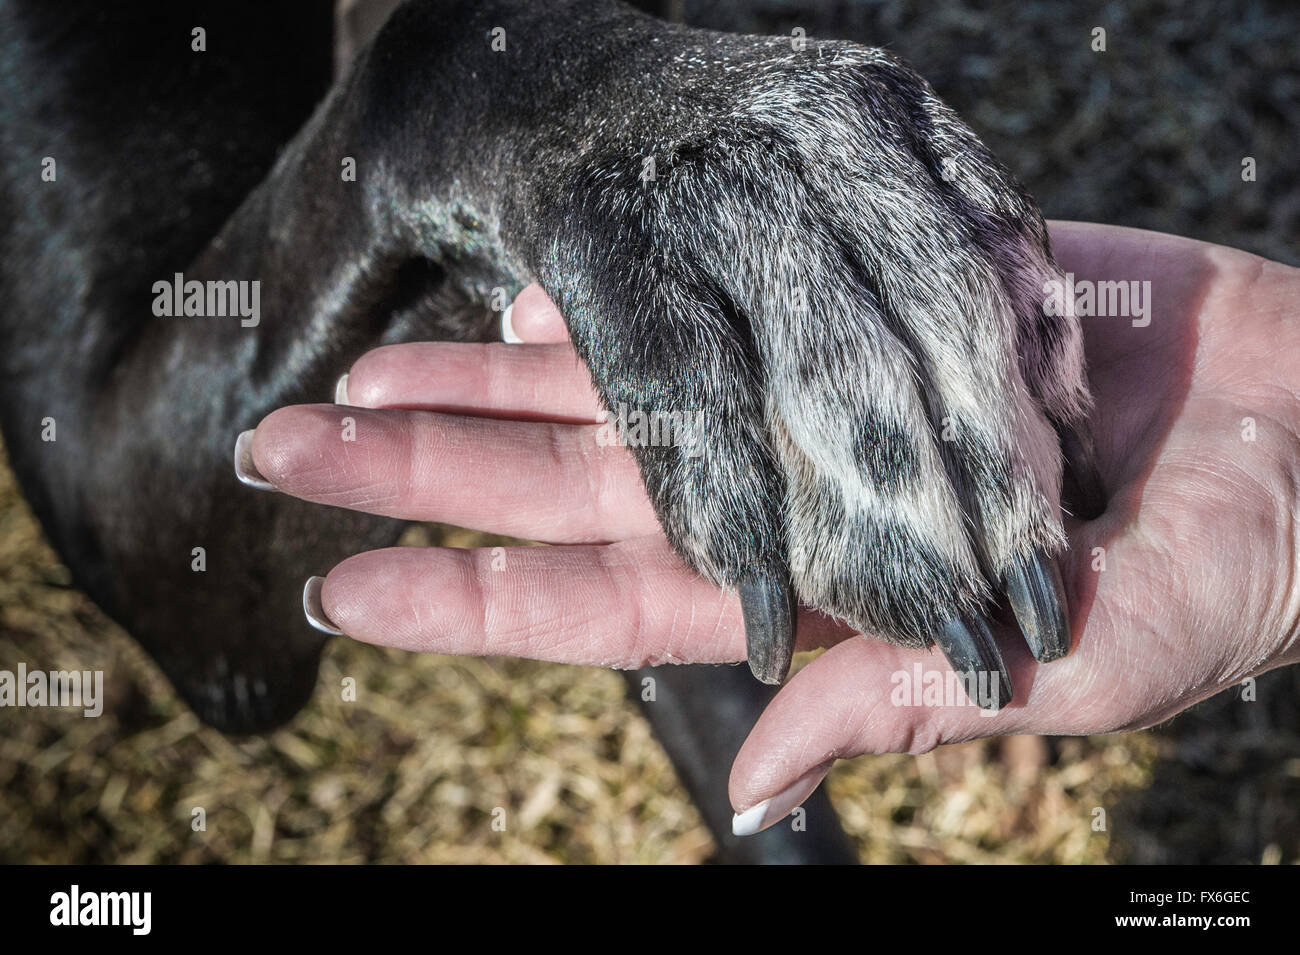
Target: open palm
[1187, 584]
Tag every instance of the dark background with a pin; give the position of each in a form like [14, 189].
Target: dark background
[1150, 133]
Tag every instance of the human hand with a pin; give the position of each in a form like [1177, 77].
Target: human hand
[1187, 584]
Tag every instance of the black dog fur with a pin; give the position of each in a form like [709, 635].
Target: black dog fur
[830, 171]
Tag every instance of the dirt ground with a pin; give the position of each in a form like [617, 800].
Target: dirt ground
[1150, 133]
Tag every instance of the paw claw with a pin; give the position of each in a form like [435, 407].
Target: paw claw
[768, 606]
[970, 648]
[1037, 597]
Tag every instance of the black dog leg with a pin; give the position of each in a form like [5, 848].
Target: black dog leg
[119, 422]
[701, 715]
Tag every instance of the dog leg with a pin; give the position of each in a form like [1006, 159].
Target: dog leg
[701, 715]
[144, 407]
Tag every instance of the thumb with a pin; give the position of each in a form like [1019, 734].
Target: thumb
[865, 696]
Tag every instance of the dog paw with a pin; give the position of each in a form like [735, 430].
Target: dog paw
[830, 296]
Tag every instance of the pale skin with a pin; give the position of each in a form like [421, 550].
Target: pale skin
[1188, 584]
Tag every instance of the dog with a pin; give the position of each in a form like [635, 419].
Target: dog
[795, 239]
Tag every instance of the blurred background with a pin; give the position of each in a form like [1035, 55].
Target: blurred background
[1150, 133]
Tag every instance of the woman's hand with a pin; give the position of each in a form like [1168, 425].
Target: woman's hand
[1187, 584]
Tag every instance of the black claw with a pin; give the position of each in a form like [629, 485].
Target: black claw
[1082, 489]
[769, 608]
[1037, 596]
[971, 649]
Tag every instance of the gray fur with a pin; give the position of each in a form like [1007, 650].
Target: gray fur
[825, 253]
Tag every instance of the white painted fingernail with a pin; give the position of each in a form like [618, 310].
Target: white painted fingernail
[771, 811]
[315, 610]
[341, 390]
[245, 469]
[507, 329]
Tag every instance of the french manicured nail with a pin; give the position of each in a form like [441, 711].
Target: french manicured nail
[771, 811]
[245, 469]
[507, 328]
[314, 610]
[341, 390]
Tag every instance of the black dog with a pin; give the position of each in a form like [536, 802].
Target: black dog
[795, 238]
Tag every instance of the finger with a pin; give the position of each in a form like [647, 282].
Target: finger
[533, 319]
[540, 481]
[622, 605]
[843, 704]
[547, 382]
[865, 696]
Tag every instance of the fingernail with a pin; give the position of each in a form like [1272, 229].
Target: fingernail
[341, 390]
[771, 811]
[245, 469]
[315, 610]
[508, 329]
